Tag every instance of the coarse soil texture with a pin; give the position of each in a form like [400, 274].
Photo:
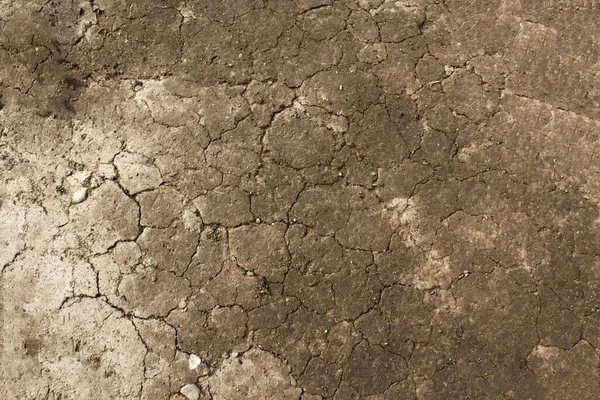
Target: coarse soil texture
[299, 199]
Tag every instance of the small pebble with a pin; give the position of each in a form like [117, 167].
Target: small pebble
[195, 361]
[79, 196]
[190, 391]
[182, 304]
[258, 220]
[94, 183]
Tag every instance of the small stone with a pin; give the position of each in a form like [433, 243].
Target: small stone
[182, 304]
[195, 361]
[95, 182]
[79, 195]
[258, 220]
[190, 391]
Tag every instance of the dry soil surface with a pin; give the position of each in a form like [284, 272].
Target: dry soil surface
[299, 199]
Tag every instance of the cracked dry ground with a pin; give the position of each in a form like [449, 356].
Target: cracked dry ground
[320, 199]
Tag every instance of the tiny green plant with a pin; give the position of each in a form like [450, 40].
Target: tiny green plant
[263, 288]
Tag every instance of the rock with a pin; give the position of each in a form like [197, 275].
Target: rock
[79, 195]
[195, 361]
[190, 391]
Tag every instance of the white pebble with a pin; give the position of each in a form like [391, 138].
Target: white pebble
[190, 391]
[195, 361]
[79, 195]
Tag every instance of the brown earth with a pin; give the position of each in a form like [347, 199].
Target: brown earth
[299, 199]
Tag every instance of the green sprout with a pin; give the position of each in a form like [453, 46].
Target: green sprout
[263, 288]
